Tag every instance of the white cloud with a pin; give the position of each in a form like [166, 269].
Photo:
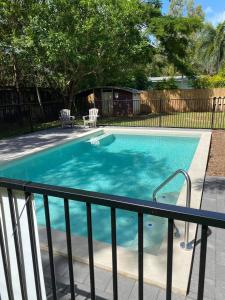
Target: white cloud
[217, 18]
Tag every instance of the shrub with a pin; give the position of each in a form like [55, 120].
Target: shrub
[169, 84]
[204, 82]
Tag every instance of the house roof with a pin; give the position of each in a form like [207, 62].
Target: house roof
[127, 89]
[161, 78]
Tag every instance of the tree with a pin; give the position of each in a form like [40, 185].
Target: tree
[210, 49]
[188, 8]
[79, 44]
[173, 35]
[194, 10]
[176, 8]
[76, 43]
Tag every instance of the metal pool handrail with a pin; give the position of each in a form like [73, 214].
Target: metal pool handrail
[186, 244]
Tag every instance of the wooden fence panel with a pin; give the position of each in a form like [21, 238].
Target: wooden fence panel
[192, 100]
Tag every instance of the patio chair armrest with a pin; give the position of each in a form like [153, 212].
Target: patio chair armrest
[84, 117]
[72, 118]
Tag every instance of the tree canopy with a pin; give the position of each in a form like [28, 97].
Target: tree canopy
[78, 44]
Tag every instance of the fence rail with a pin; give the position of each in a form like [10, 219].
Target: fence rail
[29, 105]
[141, 207]
[178, 113]
[205, 113]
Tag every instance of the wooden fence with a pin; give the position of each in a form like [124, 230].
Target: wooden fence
[194, 100]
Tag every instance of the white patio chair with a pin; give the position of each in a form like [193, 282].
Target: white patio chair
[66, 118]
[91, 119]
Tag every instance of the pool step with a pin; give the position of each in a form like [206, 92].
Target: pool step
[105, 139]
[168, 198]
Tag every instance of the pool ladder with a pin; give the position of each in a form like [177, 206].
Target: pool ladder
[186, 244]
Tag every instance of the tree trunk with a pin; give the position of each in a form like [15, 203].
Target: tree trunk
[17, 87]
[71, 95]
[39, 100]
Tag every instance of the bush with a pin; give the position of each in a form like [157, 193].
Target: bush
[169, 84]
[204, 82]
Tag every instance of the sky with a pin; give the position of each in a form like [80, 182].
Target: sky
[214, 9]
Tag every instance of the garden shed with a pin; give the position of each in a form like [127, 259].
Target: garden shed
[110, 100]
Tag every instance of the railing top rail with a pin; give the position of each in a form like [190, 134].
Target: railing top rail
[204, 217]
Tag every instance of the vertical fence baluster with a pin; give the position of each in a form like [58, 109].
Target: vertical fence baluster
[160, 112]
[213, 113]
[202, 264]
[21, 272]
[69, 247]
[8, 278]
[140, 256]
[169, 259]
[90, 250]
[50, 247]
[114, 254]
[30, 218]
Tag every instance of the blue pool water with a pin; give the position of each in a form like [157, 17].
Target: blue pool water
[118, 164]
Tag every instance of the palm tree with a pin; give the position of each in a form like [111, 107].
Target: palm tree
[210, 49]
[219, 45]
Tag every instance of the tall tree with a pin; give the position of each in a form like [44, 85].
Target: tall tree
[210, 49]
[75, 43]
[194, 10]
[174, 35]
[176, 8]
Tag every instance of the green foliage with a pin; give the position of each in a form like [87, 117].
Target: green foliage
[188, 8]
[169, 84]
[176, 8]
[72, 44]
[204, 82]
[79, 44]
[174, 37]
[209, 54]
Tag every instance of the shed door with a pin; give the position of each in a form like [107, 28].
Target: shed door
[107, 103]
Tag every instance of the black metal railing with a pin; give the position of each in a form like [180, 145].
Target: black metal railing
[141, 207]
[178, 113]
[202, 113]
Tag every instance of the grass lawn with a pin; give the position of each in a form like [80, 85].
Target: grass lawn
[180, 120]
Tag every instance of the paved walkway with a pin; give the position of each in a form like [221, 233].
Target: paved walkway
[29, 143]
[213, 199]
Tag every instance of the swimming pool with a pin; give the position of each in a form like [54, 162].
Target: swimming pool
[119, 164]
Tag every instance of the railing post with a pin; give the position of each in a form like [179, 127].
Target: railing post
[213, 112]
[160, 112]
[30, 119]
[30, 218]
[6, 267]
[169, 259]
[202, 264]
[18, 248]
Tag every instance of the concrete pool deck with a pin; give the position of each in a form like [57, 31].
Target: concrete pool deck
[155, 265]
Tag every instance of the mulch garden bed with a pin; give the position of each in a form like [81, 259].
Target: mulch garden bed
[216, 165]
